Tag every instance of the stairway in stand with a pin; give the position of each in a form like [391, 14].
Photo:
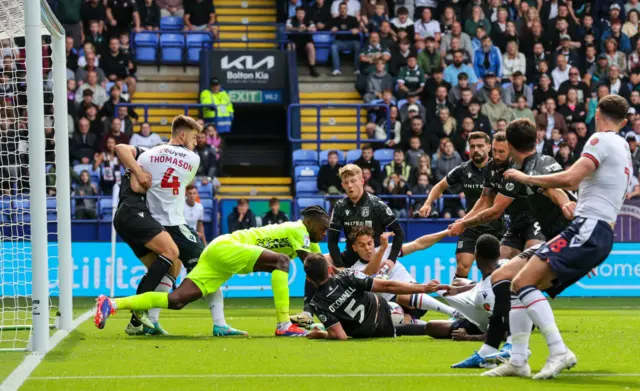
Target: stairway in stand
[246, 12]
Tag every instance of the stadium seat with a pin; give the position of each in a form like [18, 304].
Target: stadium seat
[353, 155]
[78, 168]
[207, 205]
[306, 173]
[171, 48]
[308, 201]
[304, 157]
[323, 47]
[105, 209]
[146, 47]
[173, 23]
[324, 155]
[384, 156]
[204, 191]
[195, 43]
[306, 188]
[52, 211]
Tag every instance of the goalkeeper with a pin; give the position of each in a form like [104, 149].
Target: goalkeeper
[265, 249]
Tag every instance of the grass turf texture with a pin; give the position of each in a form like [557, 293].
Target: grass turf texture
[602, 332]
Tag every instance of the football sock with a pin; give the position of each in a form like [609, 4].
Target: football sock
[486, 350]
[540, 312]
[158, 269]
[460, 276]
[134, 321]
[499, 320]
[520, 324]
[280, 287]
[216, 306]
[309, 290]
[410, 329]
[165, 285]
[143, 302]
[423, 301]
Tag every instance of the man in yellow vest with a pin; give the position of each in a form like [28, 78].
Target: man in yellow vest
[222, 116]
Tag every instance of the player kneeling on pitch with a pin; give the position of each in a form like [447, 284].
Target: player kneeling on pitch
[347, 305]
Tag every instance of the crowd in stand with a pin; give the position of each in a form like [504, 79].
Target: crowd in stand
[448, 68]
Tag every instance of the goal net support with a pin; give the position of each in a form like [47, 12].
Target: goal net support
[36, 268]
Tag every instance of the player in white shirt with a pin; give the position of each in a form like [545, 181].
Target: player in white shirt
[601, 175]
[194, 213]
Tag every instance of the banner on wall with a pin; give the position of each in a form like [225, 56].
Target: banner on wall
[618, 276]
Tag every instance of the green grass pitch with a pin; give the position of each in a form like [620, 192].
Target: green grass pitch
[603, 333]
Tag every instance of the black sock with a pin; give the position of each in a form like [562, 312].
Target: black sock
[499, 321]
[309, 291]
[152, 279]
[459, 276]
[410, 329]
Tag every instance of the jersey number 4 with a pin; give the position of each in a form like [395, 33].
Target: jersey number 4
[355, 313]
[170, 182]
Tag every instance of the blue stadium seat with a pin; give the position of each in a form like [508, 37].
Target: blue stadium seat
[6, 209]
[304, 157]
[306, 173]
[195, 43]
[204, 191]
[105, 209]
[353, 155]
[325, 154]
[384, 156]
[323, 42]
[173, 23]
[171, 48]
[306, 188]
[305, 202]
[207, 205]
[78, 168]
[52, 212]
[146, 47]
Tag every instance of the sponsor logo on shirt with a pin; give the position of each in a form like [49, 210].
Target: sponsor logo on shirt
[271, 243]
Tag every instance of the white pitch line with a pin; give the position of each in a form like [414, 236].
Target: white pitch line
[15, 380]
[298, 375]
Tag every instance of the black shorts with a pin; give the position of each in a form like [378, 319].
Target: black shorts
[189, 244]
[467, 241]
[384, 326]
[465, 324]
[134, 224]
[518, 237]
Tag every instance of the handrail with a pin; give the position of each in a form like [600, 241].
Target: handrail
[147, 106]
[319, 108]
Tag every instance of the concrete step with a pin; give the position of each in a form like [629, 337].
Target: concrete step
[245, 45]
[247, 28]
[244, 3]
[171, 86]
[326, 146]
[330, 101]
[330, 112]
[329, 86]
[333, 121]
[344, 129]
[247, 19]
[330, 137]
[248, 36]
[257, 11]
[166, 71]
[166, 95]
[255, 181]
[254, 190]
[350, 95]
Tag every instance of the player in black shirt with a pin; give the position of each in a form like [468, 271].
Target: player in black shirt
[470, 176]
[346, 304]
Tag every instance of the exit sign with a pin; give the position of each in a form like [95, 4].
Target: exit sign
[254, 97]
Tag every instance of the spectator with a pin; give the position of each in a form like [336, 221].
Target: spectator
[413, 105]
[616, 85]
[460, 138]
[394, 185]
[582, 89]
[600, 70]
[521, 110]
[495, 108]
[200, 15]
[99, 94]
[630, 28]
[426, 26]
[543, 145]
[95, 36]
[422, 187]
[214, 139]
[533, 63]
[328, 180]
[556, 140]
[411, 79]
[87, 101]
[149, 15]
[369, 55]
[429, 59]
[207, 155]
[589, 60]
[481, 121]
[170, 8]
[490, 82]
[378, 82]
[447, 19]
[403, 21]
[632, 140]
[566, 48]
[320, 13]
[353, 8]
[516, 89]
[582, 135]
[223, 114]
[145, 138]
[422, 168]
[371, 185]
[126, 124]
[543, 92]
[460, 96]
[477, 20]
[274, 215]
[194, 213]
[464, 39]
[388, 37]
[108, 164]
[400, 56]
[82, 73]
[122, 15]
[109, 107]
[455, 45]
[573, 111]
[415, 152]
[83, 144]
[487, 59]
[561, 72]
[614, 56]
[445, 125]
[96, 126]
[344, 24]
[242, 217]
[499, 27]
[303, 42]
[631, 5]
[437, 103]
[367, 161]
[398, 166]
[513, 61]
[457, 68]
[72, 54]
[621, 40]
[116, 132]
[85, 207]
[447, 160]
[373, 15]
[565, 156]
[633, 191]
[92, 11]
[433, 83]
[118, 66]
[633, 64]
[551, 119]
[603, 90]
[378, 130]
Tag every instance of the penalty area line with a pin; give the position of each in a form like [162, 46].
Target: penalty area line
[301, 375]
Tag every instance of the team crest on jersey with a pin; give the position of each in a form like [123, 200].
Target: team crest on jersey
[486, 307]
[306, 242]
[389, 211]
[346, 212]
[460, 244]
[322, 318]
[469, 175]
[510, 186]
[594, 141]
[364, 211]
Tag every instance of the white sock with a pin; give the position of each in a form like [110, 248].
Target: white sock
[520, 325]
[166, 284]
[216, 306]
[282, 326]
[423, 301]
[509, 340]
[486, 350]
[540, 312]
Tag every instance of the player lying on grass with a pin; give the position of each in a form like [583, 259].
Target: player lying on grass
[265, 249]
[347, 305]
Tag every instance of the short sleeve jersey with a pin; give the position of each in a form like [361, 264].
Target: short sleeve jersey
[601, 194]
[172, 168]
[347, 299]
[285, 238]
[412, 78]
[193, 214]
[518, 211]
[548, 214]
[126, 194]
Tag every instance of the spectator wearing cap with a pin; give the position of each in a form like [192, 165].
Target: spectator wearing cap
[584, 93]
[550, 119]
[490, 82]
[513, 61]
[566, 48]
[377, 82]
[426, 26]
[413, 106]
[458, 67]
[200, 15]
[411, 79]
[631, 118]
[615, 83]
[343, 23]
[517, 88]
[622, 40]
[399, 56]
[600, 70]
[145, 138]
[495, 108]
[430, 57]
[543, 91]
[222, 116]
[487, 59]
[463, 38]
[614, 56]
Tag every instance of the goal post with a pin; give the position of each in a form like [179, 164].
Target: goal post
[35, 225]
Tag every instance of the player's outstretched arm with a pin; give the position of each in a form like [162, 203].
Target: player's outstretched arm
[334, 332]
[403, 288]
[560, 198]
[374, 264]
[485, 201]
[423, 242]
[500, 204]
[434, 194]
[568, 179]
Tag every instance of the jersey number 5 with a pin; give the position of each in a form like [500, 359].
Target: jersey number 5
[170, 182]
[354, 312]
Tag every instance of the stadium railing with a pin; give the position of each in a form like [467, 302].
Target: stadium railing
[295, 137]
